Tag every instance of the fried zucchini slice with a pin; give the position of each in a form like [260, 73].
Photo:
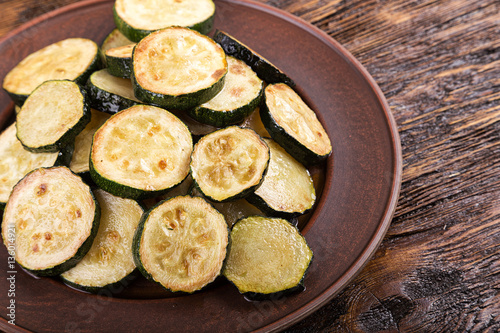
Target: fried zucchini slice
[177, 68]
[229, 163]
[292, 124]
[181, 244]
[70, 59]
[119, 60]
[109, 261]
[140, 152]
[260, 65]
[52, 116]
[80, 160]
[138, 18]
[238, 98]
[268, 256]
[51, 219]
[108, 93]
[288, 189]
[16, 162]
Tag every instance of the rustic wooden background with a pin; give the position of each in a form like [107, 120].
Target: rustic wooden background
[438, 64]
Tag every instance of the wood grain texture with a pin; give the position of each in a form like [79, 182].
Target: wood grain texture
[438, 64]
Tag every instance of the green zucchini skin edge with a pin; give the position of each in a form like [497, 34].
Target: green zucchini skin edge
[261, 204]
[225, 118]
[135, 35]
[106, 101]
[114, 288]
[67, 138]
[82, 251]
[118, 66]
[291, 145]
[179, 102]
[265, 70]
[121, 190]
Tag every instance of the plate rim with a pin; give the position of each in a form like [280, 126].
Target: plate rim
[390, 206]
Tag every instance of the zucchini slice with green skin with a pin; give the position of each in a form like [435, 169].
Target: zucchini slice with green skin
[267, 257]
[80, 160]
[181, 244]
[16, 162]
[292, 124]
[140, 152]
[238, 98]
[109, 261]
[51, 220]
[178, 68]
[229, 164]
[70, 59]
[52, 116]
[264, 68]
[288, 189]
[108, 93]
[114, 39]
[119, 60]
[138, 18]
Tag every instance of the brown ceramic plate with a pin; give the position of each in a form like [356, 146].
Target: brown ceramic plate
[362, 180]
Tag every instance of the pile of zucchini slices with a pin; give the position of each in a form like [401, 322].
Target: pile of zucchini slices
[162, 151]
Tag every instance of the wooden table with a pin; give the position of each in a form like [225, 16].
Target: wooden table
[438, 64]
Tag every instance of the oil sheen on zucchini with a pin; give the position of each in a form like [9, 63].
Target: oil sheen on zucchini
[52, 116]
[288, 189]
[140, 152]
[108, 93]
[119, 60]
[80, 160]
[177, 68]
[181, 244]
[263, 67]
[109, 260]
[229, 163]
[292, 124]
[267, 256]
[138, 18]
[238, 98]
[70, 59]
[16, 162]
[51, 218]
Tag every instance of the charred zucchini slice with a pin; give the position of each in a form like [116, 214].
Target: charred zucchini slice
[54, 217]
[238, 98]
[178, 68]
[52, 116]
[288, 188]
[267, 256]
[229, 163]
[16, 162]
[264, 68]
[138, 18]
[80, 160]
[119, 60]
[108, 93]
[140, 152]
[181, 244]
[109, 260]
[292, 124]
[70, 59]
